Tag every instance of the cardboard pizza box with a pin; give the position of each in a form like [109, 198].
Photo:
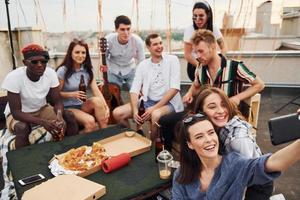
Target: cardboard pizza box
[125, 142]
[65, 187]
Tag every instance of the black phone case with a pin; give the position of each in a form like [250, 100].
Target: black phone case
[284, 128]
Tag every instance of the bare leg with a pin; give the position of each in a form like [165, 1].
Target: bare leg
[85, 119]
[96, 107]
[155, 116]
[122, 114]
[22, 131]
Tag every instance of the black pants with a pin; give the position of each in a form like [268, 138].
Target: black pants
[168, 124]
[259, 192]
[191, 71]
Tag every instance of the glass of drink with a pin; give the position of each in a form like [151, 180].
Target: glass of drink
[163, 159]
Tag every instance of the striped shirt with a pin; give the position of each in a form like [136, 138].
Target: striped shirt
[231, 76]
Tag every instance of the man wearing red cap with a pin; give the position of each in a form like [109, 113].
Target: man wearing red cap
[27, 88]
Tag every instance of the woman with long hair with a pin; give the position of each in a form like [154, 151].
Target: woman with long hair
[206, 174]
[202, 19]
[75, 69]
[233, 131]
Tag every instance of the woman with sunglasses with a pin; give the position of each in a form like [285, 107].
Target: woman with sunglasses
[77, 65]
[202, 19]
[234, 132]
[206, 174]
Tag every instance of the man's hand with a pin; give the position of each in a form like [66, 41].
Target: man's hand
[138, 119]
[53, 126]
[147, 115]
[187, 98]
[235, 100]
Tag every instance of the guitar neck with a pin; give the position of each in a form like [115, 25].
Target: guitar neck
[104, 73]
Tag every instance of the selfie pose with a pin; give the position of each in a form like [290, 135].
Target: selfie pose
[205, 174]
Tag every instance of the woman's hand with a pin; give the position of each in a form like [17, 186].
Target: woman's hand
[80, 95]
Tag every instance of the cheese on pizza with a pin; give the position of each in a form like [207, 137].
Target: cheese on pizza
[83, 158]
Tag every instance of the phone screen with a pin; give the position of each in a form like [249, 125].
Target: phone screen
[31, 179]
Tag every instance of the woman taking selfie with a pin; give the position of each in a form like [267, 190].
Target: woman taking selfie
[202, 19]
[233, 131]
[76, 77]
[205, 174]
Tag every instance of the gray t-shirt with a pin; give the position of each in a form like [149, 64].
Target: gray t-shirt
[122, 58]
[72, 84]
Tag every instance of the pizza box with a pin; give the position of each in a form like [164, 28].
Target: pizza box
[125, 142]
[65, 187]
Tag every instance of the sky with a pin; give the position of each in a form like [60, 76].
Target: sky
[82, 15]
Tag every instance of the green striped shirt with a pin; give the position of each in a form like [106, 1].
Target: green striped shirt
[231, 76]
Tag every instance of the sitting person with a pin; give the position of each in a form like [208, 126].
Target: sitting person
[27, 88]
[77, 65]
[205, 174]
[158, 77]
[217, 71]
[234, 133]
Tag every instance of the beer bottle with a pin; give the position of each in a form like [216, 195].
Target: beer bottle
[60, 123]
[141, 110]
[158, 147]
[82, 86]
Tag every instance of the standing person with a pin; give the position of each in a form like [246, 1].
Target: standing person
[205, 174]
[75, 66]
[125, 51]
[202, 19]
[234, 133]
[27, 88]
[158, 77]
[217, 71]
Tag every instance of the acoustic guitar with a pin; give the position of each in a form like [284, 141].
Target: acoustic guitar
[110, 91]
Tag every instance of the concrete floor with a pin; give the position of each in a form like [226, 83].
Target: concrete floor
[289, 182]
[272, 98]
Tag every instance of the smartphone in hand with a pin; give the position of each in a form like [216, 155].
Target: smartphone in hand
[31, 179]
[284, 128]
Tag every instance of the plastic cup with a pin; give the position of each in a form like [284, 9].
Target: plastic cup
[163, 159]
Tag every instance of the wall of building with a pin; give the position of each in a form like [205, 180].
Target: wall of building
[291, 25]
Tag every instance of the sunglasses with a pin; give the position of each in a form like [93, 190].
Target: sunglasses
[198, 17]
[192, 118]
[35, 62]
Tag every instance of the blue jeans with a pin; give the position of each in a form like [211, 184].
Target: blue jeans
[119, 79]
[150, 103]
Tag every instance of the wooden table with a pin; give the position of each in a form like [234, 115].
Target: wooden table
[138, 179]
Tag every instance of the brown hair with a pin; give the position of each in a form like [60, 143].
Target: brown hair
[122, 19]
[203, 35]
[207, 90]
[68, 61]
[149, 37]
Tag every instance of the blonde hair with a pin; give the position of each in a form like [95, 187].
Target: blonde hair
[203, 35]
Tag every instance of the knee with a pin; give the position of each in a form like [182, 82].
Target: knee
[22, 129]
[118, 113]
[89, 123]
[155, 116]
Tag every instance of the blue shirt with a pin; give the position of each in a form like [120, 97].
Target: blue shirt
[231, 178]
[73, 83]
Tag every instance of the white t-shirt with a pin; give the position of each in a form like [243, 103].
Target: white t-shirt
[33, 94]
[188, 33]
[156, 79]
